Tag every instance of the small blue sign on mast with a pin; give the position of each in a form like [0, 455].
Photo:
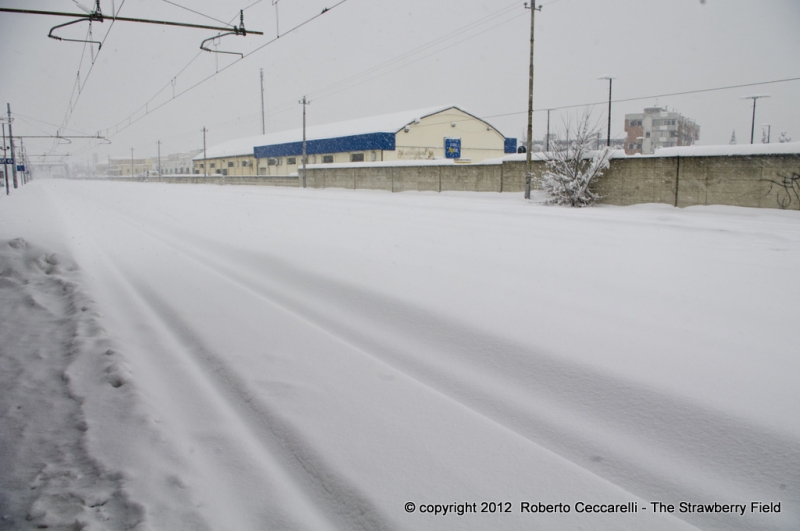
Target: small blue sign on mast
[452, 148]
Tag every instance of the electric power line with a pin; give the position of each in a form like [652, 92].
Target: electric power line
[639, 98]
[329, 90]
[195, 12]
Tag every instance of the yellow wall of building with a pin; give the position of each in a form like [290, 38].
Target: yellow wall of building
[425, 139]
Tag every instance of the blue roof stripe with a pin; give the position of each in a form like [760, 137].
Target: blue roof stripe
[370, 141]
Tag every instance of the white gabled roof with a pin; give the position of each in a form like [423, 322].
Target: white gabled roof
[385, 123]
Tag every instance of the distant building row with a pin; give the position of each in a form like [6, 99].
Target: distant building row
[174, 164]
[658, 128]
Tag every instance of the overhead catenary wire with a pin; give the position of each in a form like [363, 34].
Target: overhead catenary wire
[131, 119]
[80, 86]
[334, 88]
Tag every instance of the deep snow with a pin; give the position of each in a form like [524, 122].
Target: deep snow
[217, 357]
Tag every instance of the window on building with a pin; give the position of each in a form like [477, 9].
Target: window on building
[357, 157]
[212, 165]
[273, 162]
[245, 163]
[647, 134]
[327, 159]
[230, 164]
[291, 161]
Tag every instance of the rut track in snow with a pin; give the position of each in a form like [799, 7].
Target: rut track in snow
[286, 458]
[537, 395]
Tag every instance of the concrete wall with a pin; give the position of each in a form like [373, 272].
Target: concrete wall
[766, 181]
[213, 179]
[749, 181]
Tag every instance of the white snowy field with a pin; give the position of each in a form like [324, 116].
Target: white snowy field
[248, 358]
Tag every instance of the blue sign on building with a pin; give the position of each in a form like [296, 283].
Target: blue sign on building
[452, 148]
[8, 161]
[510, 145]
[20, 167]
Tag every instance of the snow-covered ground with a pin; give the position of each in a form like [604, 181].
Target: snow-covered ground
[249, 358]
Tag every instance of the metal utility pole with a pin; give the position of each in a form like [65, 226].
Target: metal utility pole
[131, 162]
[263, 119]
[11, 142]
[159, 158]
[304, 102]
[754, 97]
[610, 79]
[205, 162]
[547, 138]
[24, 158]
[277, 22]
[528, 167]
[5, 167]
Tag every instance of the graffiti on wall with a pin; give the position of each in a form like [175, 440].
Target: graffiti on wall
[786, 188]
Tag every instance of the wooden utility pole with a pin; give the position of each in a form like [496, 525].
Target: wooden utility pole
[528, 166]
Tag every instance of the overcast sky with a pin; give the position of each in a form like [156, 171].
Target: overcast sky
[367, 57]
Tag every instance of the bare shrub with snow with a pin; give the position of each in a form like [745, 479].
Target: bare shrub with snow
[573, 165]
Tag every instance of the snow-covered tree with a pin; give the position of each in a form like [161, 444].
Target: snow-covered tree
[784, 138]
[573, 166]
[733, 138]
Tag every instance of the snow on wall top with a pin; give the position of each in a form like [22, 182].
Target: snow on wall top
[384, 123]
[788, 148]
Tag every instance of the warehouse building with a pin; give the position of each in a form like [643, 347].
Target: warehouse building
[445, 132]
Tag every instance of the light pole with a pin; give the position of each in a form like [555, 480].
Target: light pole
[304, 102]
[610, 79]
[754, 97]
[263, 119]
[205, 161]
[547, 138]
[528, 168]
[5, 166]
[11, 142]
